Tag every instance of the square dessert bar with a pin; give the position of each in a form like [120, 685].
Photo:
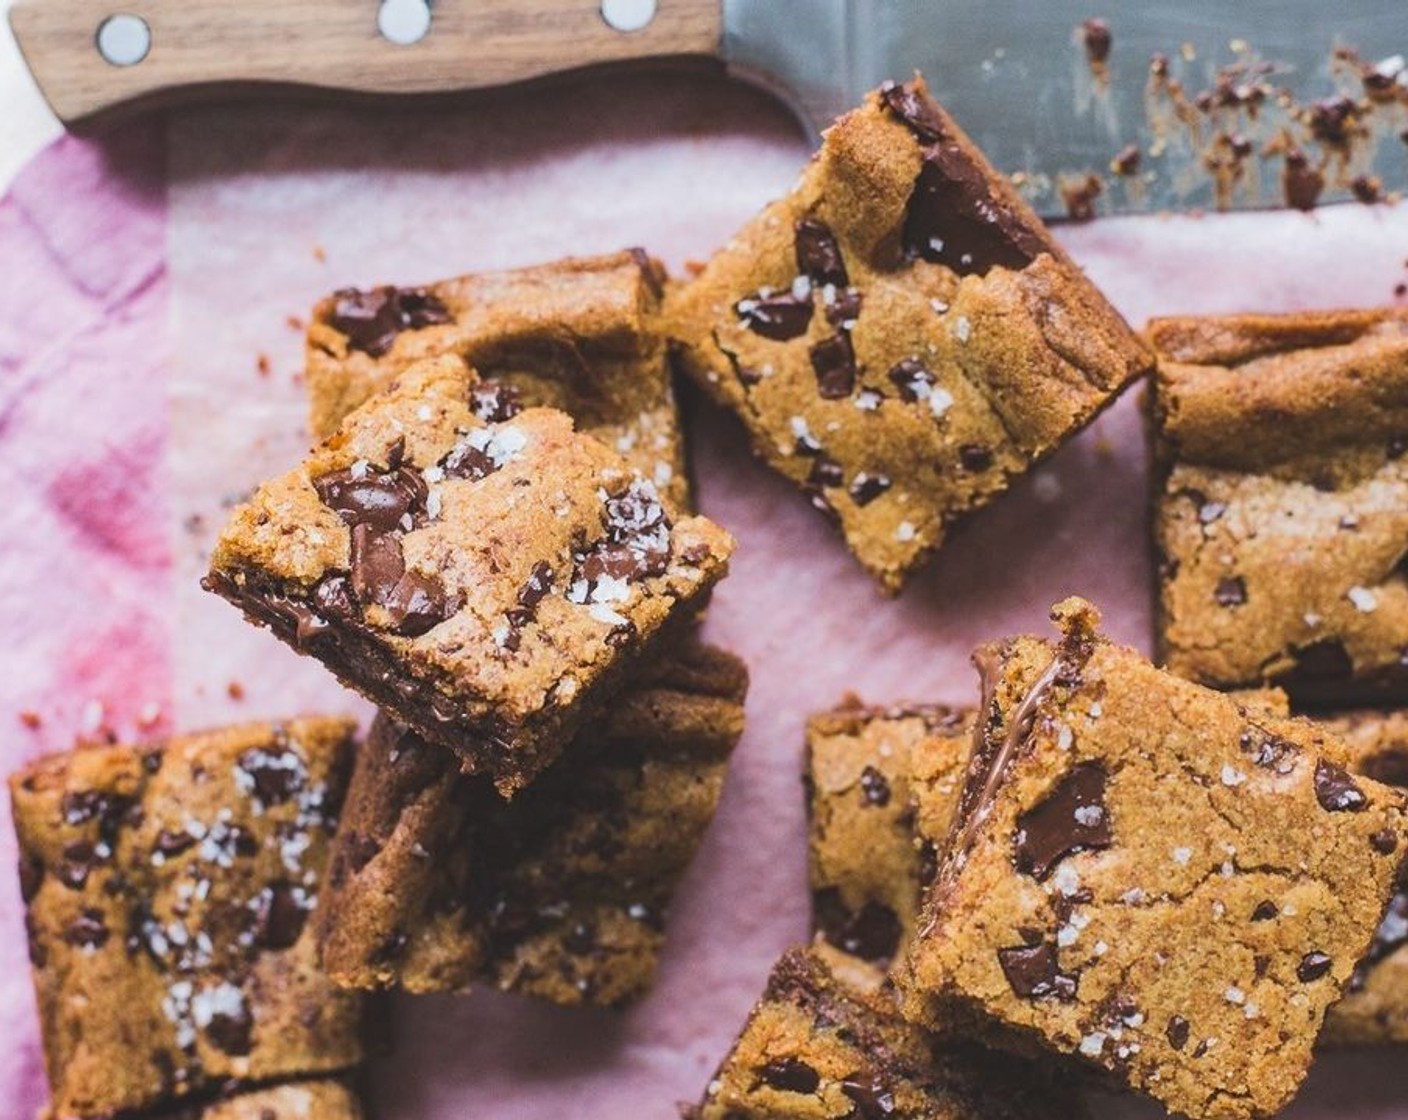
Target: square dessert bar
[1150, 875]
[1374, 1010]
[881, 785]
[901, 336]
[1281, 507]
[488, 583]
[581, 335]
[437, 883]
[816, 1048]
[168, 889]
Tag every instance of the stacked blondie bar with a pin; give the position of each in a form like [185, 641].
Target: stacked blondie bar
[1161, 879]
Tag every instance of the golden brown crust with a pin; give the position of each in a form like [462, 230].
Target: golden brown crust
[959, 375]
[168, 888]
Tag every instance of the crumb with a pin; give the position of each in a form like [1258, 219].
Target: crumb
[320, 254]
[235, 690]
[1080, 197]
[149, 715]
[31, 719]
[694, 268]
[263, 365]
[295, 323]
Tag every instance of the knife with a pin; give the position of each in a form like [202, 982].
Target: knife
[1141, 105]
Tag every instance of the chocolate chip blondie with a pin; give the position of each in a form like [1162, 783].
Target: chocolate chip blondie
[297, 1100]
[816, 1049]
[881, 784]
[1374, 1010]
[490, 583]
[901, 336]
[436, 883]
[581, 335]
[168, 889]
[1281, 507]
[1151, 876]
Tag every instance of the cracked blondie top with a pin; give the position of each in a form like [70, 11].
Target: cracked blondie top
[901, 336]
[436, 883]
[167, 891]
[581, 335]
[1151, 876]
[881, 783]
[488, 582]
[816, 1048]
[1281, 508]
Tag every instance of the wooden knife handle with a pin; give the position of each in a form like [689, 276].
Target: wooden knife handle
[207, 45]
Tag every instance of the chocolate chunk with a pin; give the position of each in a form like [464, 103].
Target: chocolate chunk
[1301, 183]
[872, 1099]
[1265, 911]
[87, 930]
[791, 1076]
[1385, 841]
[843, 308]
[1336, 790]
[418, 603]
[274, 776]
[1096, 36]
[1332, 120]
[1231, 591]
[873, 933]
[334, 599]
[468, 459]
[975, 457]
[1033, 972]
[865, 488]
[954, 220]
[1269, 751]
[31, 877]
[826, 472]
[1177, 1032]
[377, 564]
[1072, 819]
[381, 501]
[371, 320]
[231, 1031]
[819, 255]
[171, 844]
[913, 379]
[494, 401]
[1313, 966]
[834, 362]
[914, 109]
[874, 787]
[536, 586]
[79, 806]
[1367, 189]
[280, 917]
[779, 316]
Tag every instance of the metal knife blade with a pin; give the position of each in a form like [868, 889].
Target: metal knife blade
[1260, 103]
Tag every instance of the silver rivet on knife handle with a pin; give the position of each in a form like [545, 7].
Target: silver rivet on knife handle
[123, 39]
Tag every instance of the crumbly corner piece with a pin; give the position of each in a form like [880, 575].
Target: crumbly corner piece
[324, 1099]
[488, 583]
[1151, 876]
[900, 335]
[168, 888]
[881, 785]
[817, 1048]
[1281, 502]
[581, 335]
[1374, 1010]
[562, 893]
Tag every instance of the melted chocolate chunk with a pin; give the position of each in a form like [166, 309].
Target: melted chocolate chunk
[867, 487]
[83, 805]
[791, 1076]
[468, 461]
[1072, 819]
[826, 472]
[171, 844]
[843, 308]
[819, 255]
[975, 458]
[1313, 966]
[231, 1031]
[874, 788]
[1270, 752]
[1336, 789]
[1231, 591]
[418, 603]
[381, 501]
[536, 586]
[79, 858]
[377, 564]
[334, 599]
[494, 401]
[1265, 911]
[916, 110]
[873, 933]
[872, 1099]
[275, 775]
[636, 545]
[955, 220]
[87, 930]
[1177, 1032]
[372, 320]
[913, 379]
[280, 917]
[1033, 972]
[834, 362]
[1096, 36]
[780, 316]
